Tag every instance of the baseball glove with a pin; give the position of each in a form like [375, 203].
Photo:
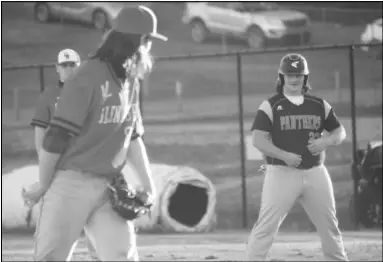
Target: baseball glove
[128, 202]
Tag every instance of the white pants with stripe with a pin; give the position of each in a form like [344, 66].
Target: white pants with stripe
[75, 202]
[284, 185]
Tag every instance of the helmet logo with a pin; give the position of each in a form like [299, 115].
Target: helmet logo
[295, 64]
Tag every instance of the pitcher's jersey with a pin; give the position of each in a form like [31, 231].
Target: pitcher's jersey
[292, 126]
[45, 107]
[97, 108]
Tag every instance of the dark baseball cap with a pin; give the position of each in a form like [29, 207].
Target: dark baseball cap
[137, 20]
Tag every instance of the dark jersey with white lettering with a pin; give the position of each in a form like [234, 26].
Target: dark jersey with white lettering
[292, 126]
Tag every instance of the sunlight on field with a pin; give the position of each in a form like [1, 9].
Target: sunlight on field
[362, 246]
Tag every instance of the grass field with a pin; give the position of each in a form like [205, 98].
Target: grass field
[209, 143]
[221, 246]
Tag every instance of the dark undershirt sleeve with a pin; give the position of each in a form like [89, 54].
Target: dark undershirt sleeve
[331, 122]
[263, 118]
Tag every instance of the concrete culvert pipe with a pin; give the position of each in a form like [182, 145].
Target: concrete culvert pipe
[188, 202]
[185, 200]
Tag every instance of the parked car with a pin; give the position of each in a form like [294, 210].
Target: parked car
[256, 22]
[372, 34]
[98, 14]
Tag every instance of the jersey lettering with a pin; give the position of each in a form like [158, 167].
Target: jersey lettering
[115, 114]
[314, 135]
[299, 122]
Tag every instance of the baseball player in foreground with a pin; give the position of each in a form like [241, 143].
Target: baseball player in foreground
[288, 129]
[68, 60]
[88, 141]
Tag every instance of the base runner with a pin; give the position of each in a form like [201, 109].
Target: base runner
[288, 130]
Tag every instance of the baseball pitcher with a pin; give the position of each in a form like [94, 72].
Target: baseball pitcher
[87, 143]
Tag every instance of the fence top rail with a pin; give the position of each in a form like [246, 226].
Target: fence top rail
[264, 51]
[219, 54]
[27, 66]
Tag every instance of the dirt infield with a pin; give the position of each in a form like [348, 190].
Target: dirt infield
[222, 246]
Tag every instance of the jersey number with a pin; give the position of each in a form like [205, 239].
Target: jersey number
[128, 134]
[314, 135]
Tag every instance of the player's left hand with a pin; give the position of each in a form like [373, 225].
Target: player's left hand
[146, 197]
[316, 146]
[32, 195]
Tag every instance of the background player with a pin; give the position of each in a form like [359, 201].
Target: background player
[88, 142]
[67, 61]
[288, 130]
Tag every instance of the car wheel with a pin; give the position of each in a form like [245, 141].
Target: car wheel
[42, 13]
[100, 20]
[198, 31]
[255, 38]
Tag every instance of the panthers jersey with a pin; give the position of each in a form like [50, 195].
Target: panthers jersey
[97, 108]
[292, 126]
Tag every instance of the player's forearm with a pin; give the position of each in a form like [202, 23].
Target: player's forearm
[267, 147]
[337, 136]
[47, 167]
[138, 157]
[39, 136]
[55, 141]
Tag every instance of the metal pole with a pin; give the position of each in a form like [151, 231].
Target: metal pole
[353, 132]
[242, 141]
[41, 75]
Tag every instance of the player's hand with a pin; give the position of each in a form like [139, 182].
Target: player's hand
[292, 159]
[32, 195]
[145, 197]
[316, 146]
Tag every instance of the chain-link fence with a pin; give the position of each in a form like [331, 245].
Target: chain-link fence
[198, 111]
[21, 87]
[368, 82]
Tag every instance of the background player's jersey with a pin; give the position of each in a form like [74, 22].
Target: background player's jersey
[94, 106]
[45, 107]
[292, 126]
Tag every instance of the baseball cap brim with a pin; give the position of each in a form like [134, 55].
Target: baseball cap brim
[139, 20]
[158, 36]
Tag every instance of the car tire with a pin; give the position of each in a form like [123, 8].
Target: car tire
[42, 13]
[100, 20]
[199, 31]
[255, 38]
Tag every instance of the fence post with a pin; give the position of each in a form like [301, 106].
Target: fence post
[16, 103]
[353, 131]
[242, 141]
[41, 76]
[338, 91]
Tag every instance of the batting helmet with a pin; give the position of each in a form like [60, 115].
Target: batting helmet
[293, 64]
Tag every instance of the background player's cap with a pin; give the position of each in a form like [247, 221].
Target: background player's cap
[68, 56]
[139, 20]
